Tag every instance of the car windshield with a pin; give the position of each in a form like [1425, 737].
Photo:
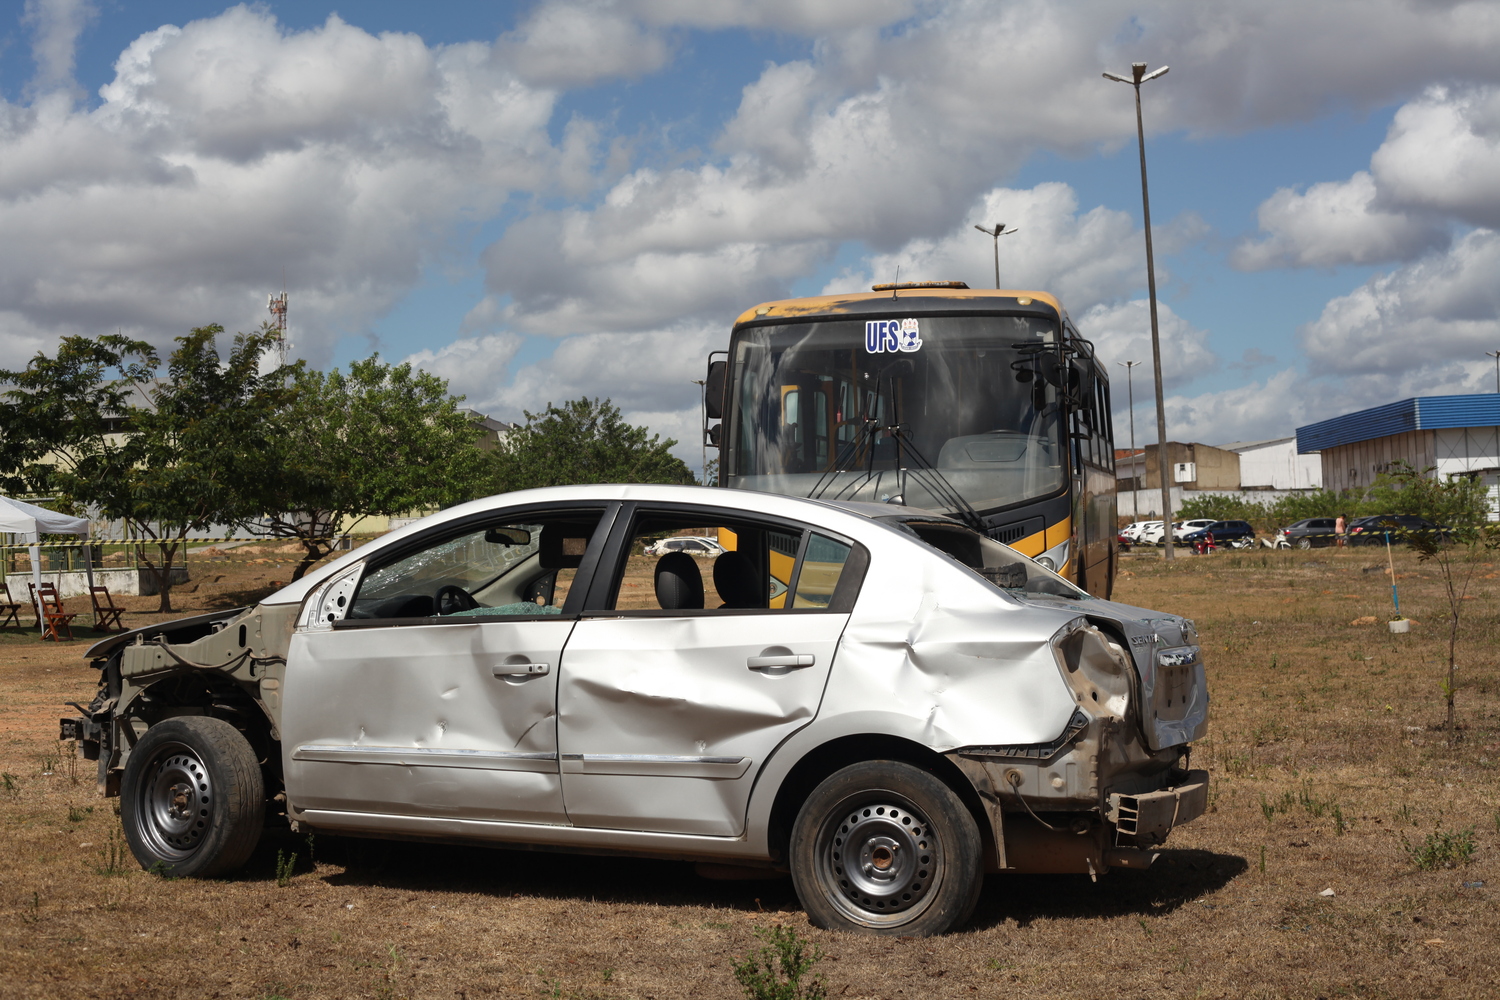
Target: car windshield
[965, 390]
[1000, 564]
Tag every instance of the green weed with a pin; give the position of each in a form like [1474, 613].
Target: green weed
[779, 970]
[286, 867]
[12, 783]
[1441, 849]
[76, 815]
[112, 855]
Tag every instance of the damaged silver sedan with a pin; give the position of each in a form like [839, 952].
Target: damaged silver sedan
[877, 699]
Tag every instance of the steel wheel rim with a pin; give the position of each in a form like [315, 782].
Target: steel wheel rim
[879, 860]
[175, 802]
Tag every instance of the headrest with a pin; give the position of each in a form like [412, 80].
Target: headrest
[735, 580]
[562, 545]
[679, 584]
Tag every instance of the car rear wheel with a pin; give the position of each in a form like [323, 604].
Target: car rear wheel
[192, 797]
[1304, 543]
[882, 847]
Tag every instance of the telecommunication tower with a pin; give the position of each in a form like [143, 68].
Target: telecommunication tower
[277, 305]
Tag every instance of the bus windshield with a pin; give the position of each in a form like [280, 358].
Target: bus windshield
[813, 405]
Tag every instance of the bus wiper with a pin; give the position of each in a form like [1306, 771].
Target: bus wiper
[937, 484]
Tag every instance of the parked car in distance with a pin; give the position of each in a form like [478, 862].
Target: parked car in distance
[1372, 530]
[1151, 533]
[1226, 534]
[1308, 533]
[693, 545]
[1133, 530]
[917, 704]
[1181, 529]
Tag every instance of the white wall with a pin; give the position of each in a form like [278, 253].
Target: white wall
[1276, 464]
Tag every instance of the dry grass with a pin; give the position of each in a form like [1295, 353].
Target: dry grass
[1325, 763]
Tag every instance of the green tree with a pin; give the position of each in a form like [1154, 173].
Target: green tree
[1223, 507]
[379, 440]
[101, 427]
[1459, 505]
[584, 441]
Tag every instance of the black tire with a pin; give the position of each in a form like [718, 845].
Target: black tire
[1304, 543]
[192, 800]
[883, 847]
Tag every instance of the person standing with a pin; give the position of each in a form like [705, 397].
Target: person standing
[1339, 524]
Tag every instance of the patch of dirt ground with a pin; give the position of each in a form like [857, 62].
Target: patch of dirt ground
[1330, 772]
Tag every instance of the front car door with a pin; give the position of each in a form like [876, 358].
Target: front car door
[435, 696]
[680, 681]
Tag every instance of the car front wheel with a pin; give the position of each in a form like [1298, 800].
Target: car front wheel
[192, 797]
[882, 847]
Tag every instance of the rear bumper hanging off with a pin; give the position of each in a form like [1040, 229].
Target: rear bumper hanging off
[1150, 816]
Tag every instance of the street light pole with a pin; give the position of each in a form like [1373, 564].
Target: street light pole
[702, 385]
[998, 231]
[1139, 76]
[1135, 481]
[1496, 356]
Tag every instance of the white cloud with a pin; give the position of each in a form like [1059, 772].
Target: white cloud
[475, 367]
[56, 25]
[1332, 224]
[1442, 155]
[1443, 307]
[577, 42]
[1085, 259]
[809, 17]
[229, 152]
[1122, 332]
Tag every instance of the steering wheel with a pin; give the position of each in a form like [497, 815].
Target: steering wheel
[451, 599]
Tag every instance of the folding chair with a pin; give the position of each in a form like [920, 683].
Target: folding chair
[9, 610]
[50, 614]
[106, 612]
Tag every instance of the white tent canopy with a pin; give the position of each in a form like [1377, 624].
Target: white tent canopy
[19, 517]
[24, 518]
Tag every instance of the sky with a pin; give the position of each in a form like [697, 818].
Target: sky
[544, 200]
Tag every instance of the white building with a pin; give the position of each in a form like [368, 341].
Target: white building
[1276, 465]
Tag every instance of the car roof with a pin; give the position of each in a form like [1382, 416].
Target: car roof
[850, 518]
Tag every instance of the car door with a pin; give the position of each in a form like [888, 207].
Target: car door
[414, 706]
[667, 708]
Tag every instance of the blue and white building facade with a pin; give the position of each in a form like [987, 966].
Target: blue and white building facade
[1454, 434]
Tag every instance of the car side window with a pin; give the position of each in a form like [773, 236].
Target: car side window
[683, 561]
[818, 577]
[523, 566]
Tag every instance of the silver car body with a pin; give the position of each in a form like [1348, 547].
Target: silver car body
[650, 735]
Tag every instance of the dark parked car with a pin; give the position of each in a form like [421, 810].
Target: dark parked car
[1308, 533]
[1371, 530]
[1226, 534]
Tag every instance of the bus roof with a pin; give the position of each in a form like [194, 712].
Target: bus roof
[922, 298]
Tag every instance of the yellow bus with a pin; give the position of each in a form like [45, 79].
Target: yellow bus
[987, 406]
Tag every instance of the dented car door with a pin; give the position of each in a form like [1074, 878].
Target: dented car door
[665, 717]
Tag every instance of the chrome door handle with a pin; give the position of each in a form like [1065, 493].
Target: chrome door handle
[520, 669]
[785, 660]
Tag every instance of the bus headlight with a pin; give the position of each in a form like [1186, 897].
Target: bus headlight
[1046, 563]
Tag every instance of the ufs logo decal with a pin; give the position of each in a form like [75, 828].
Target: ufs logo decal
[891, 335]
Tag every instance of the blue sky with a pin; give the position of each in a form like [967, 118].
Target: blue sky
[541, 200]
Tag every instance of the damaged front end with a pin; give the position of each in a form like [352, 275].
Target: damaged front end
[1115, 782]
[227, 664]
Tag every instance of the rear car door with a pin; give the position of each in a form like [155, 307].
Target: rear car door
[435, 697]
[675, 690]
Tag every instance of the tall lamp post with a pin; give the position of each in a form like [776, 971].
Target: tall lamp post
[998, 231]
[1496, 356]
[1135, 480]
[1138, 76]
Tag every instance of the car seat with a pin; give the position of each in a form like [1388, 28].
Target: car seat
[736, 582]
[679, 584]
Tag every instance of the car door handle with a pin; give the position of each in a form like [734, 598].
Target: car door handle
[520, 669]
[781, 660]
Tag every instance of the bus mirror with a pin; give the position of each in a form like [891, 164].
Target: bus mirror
[713, 390]
[714, 434]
